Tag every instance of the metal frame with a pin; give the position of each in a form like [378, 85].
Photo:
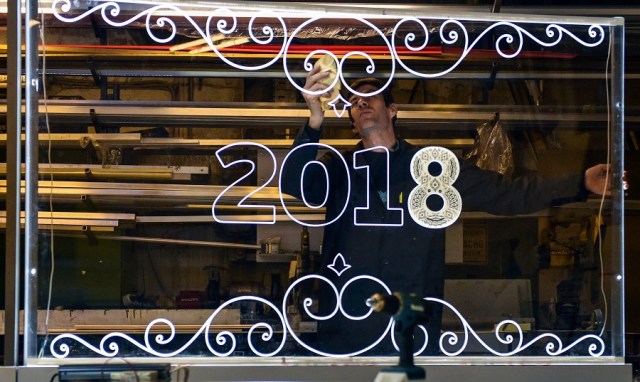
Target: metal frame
[617, 209]
[32, 31]
[14, 123]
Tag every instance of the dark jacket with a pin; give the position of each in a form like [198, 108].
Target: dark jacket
[408, 258]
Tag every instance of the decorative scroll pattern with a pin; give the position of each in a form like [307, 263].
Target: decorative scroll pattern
[554, 347]
[451, 343]
[109, 344]
[508, 37]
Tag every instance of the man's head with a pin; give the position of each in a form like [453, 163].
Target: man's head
[377, 84]
[371, 113]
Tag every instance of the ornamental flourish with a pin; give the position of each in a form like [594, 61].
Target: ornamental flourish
[273, 336]
[222, 27]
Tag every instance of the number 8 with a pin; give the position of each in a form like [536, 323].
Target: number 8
[439, 185]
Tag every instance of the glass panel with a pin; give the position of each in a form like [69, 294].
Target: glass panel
[177, 220]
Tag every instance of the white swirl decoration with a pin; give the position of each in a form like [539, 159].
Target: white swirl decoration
[111, 10]
[338, 308]
[507, 332]
[370, 69]
[109, 346]
[451, 29]
[452, 33]
[224, 19]
[225, 27]
[554, 347]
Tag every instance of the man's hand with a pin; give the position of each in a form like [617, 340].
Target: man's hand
[598, 177]
[313, 100]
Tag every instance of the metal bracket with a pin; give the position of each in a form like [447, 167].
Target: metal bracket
[97, 30]
[101, 81]
[97, 78]
[90, 235]
[496, 6]
[491, 81]
[94, 118]
[100, 128]
[88, 202]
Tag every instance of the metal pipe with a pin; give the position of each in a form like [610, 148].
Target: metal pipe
[12, 246]
[233, 114]
[180, 242]
[225, 73]
[524, 14]
[32, 28]
[616, 110]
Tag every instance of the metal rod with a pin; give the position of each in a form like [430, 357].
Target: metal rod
[233, 114]
[180, 242]
[32, 28]
[12, 246]
[77, 140]
[82, 215]
[617, 206]
[348, 10]
[222, 73]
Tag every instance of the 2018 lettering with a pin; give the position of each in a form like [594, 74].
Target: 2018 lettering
[428, 184]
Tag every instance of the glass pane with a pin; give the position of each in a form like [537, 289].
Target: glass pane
[177, 220]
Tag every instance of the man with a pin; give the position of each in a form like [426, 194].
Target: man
[407, 258]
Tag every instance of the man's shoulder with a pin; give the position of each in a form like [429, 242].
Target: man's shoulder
[407, 147]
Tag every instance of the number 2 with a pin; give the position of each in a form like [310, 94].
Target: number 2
[241, 204]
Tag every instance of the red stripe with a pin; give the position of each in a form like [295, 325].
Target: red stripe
[338, 50]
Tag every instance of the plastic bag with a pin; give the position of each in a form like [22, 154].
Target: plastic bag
[492, 149]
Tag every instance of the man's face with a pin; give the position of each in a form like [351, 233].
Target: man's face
[370, 114]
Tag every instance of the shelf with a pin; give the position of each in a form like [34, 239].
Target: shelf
[169, 195]
[96, 321]
[275, 257]
[94, 171]
[70, 221]
[288, 115]
[128, 140]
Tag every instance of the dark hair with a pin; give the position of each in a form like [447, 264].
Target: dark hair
[378, 84]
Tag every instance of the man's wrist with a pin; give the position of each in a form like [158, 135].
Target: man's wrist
[315, 121]
[311, 134]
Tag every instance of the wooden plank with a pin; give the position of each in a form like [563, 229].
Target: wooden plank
[61, 321]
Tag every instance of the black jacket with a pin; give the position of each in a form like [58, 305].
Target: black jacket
[409, 258]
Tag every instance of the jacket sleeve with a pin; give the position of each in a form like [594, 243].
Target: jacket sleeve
[303, 181]
[489, 191]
